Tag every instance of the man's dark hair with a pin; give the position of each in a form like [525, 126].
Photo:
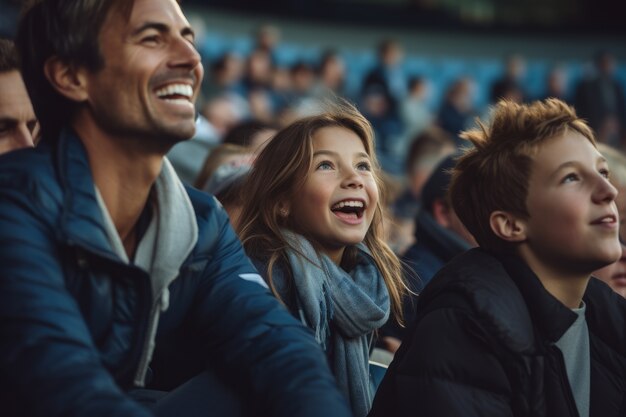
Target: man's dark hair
[68, 29]
[8, 56]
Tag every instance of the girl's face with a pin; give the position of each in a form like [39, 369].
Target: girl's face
[336, 204]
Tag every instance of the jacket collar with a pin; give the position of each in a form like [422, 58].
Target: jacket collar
[551, 317]
[81, 221]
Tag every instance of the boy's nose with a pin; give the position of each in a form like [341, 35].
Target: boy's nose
[605, 192]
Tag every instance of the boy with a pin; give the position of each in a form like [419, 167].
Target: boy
[517, 327]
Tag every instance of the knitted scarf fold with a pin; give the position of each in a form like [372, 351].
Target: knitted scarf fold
[343, 309]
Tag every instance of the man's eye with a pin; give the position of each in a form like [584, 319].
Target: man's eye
[151, 39]
[5, 128]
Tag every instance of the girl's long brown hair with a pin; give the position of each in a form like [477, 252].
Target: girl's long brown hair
[281, 170]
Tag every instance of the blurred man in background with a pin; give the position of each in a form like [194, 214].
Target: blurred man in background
[18, 124]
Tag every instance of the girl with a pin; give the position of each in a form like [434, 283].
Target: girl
[312, 223]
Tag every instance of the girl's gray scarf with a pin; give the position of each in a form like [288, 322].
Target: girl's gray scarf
[343, 309]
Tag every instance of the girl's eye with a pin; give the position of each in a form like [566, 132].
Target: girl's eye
[570, 178]
[364, 166]
[324, 166]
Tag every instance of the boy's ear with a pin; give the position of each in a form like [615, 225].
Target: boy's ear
[507, 226]
[66, 79]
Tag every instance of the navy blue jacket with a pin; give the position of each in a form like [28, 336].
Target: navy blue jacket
[73, 317]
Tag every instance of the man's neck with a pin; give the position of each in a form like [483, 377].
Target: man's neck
[566, 286]
[124, 176]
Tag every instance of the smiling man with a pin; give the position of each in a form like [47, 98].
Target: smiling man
[18, 125]
[120, 286]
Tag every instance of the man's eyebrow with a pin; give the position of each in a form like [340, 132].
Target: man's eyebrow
[162, 28]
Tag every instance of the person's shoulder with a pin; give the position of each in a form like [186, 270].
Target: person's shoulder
[478, 282]
[34, 163]
[30, 172]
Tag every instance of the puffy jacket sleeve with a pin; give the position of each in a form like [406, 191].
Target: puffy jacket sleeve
[48, 363]
[444, 368]
[257, 342]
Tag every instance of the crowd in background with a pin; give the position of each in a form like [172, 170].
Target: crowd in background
[265, 82]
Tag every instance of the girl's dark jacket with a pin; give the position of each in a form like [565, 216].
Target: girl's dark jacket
[483, 345]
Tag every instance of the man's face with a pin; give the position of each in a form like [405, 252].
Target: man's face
[573, 224]
[18, 125]
[151, 75]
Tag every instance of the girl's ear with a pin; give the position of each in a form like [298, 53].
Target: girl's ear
[66, 79]
[284, 209]
[507, 226]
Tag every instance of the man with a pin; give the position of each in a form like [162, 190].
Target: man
[114, 276]
[18, 125]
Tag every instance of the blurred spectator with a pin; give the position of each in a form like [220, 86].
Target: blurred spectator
[457, 111]
[303, 79]
[252, 134]
[514, 71]
[331, 74]
[219, 115]
[615, 274]
[600, 100]
[439, 236]
[414, 112]
[388, 73]
[226, 74]
[556, 84]
[426, 151]
[266, 38]
[377, 106]
[258, 72]
[223, 174]
[18, 124]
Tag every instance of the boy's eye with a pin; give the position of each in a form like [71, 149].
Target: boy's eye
[605, 173]
[570, 178]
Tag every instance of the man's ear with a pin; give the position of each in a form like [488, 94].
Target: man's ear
[66, 79]
[507, 226]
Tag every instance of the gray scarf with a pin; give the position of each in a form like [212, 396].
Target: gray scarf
[343, 309]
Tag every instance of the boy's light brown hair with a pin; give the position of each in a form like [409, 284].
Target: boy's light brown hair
[494, 174]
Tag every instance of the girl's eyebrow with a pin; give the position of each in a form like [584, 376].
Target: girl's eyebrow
[332, 153]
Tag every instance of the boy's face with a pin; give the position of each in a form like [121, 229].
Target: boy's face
[573, 224]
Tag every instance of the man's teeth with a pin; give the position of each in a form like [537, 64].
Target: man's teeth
[343, 204]
[175, 89]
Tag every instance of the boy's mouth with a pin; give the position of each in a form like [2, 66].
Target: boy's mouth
[608, 220]
[349, 209]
